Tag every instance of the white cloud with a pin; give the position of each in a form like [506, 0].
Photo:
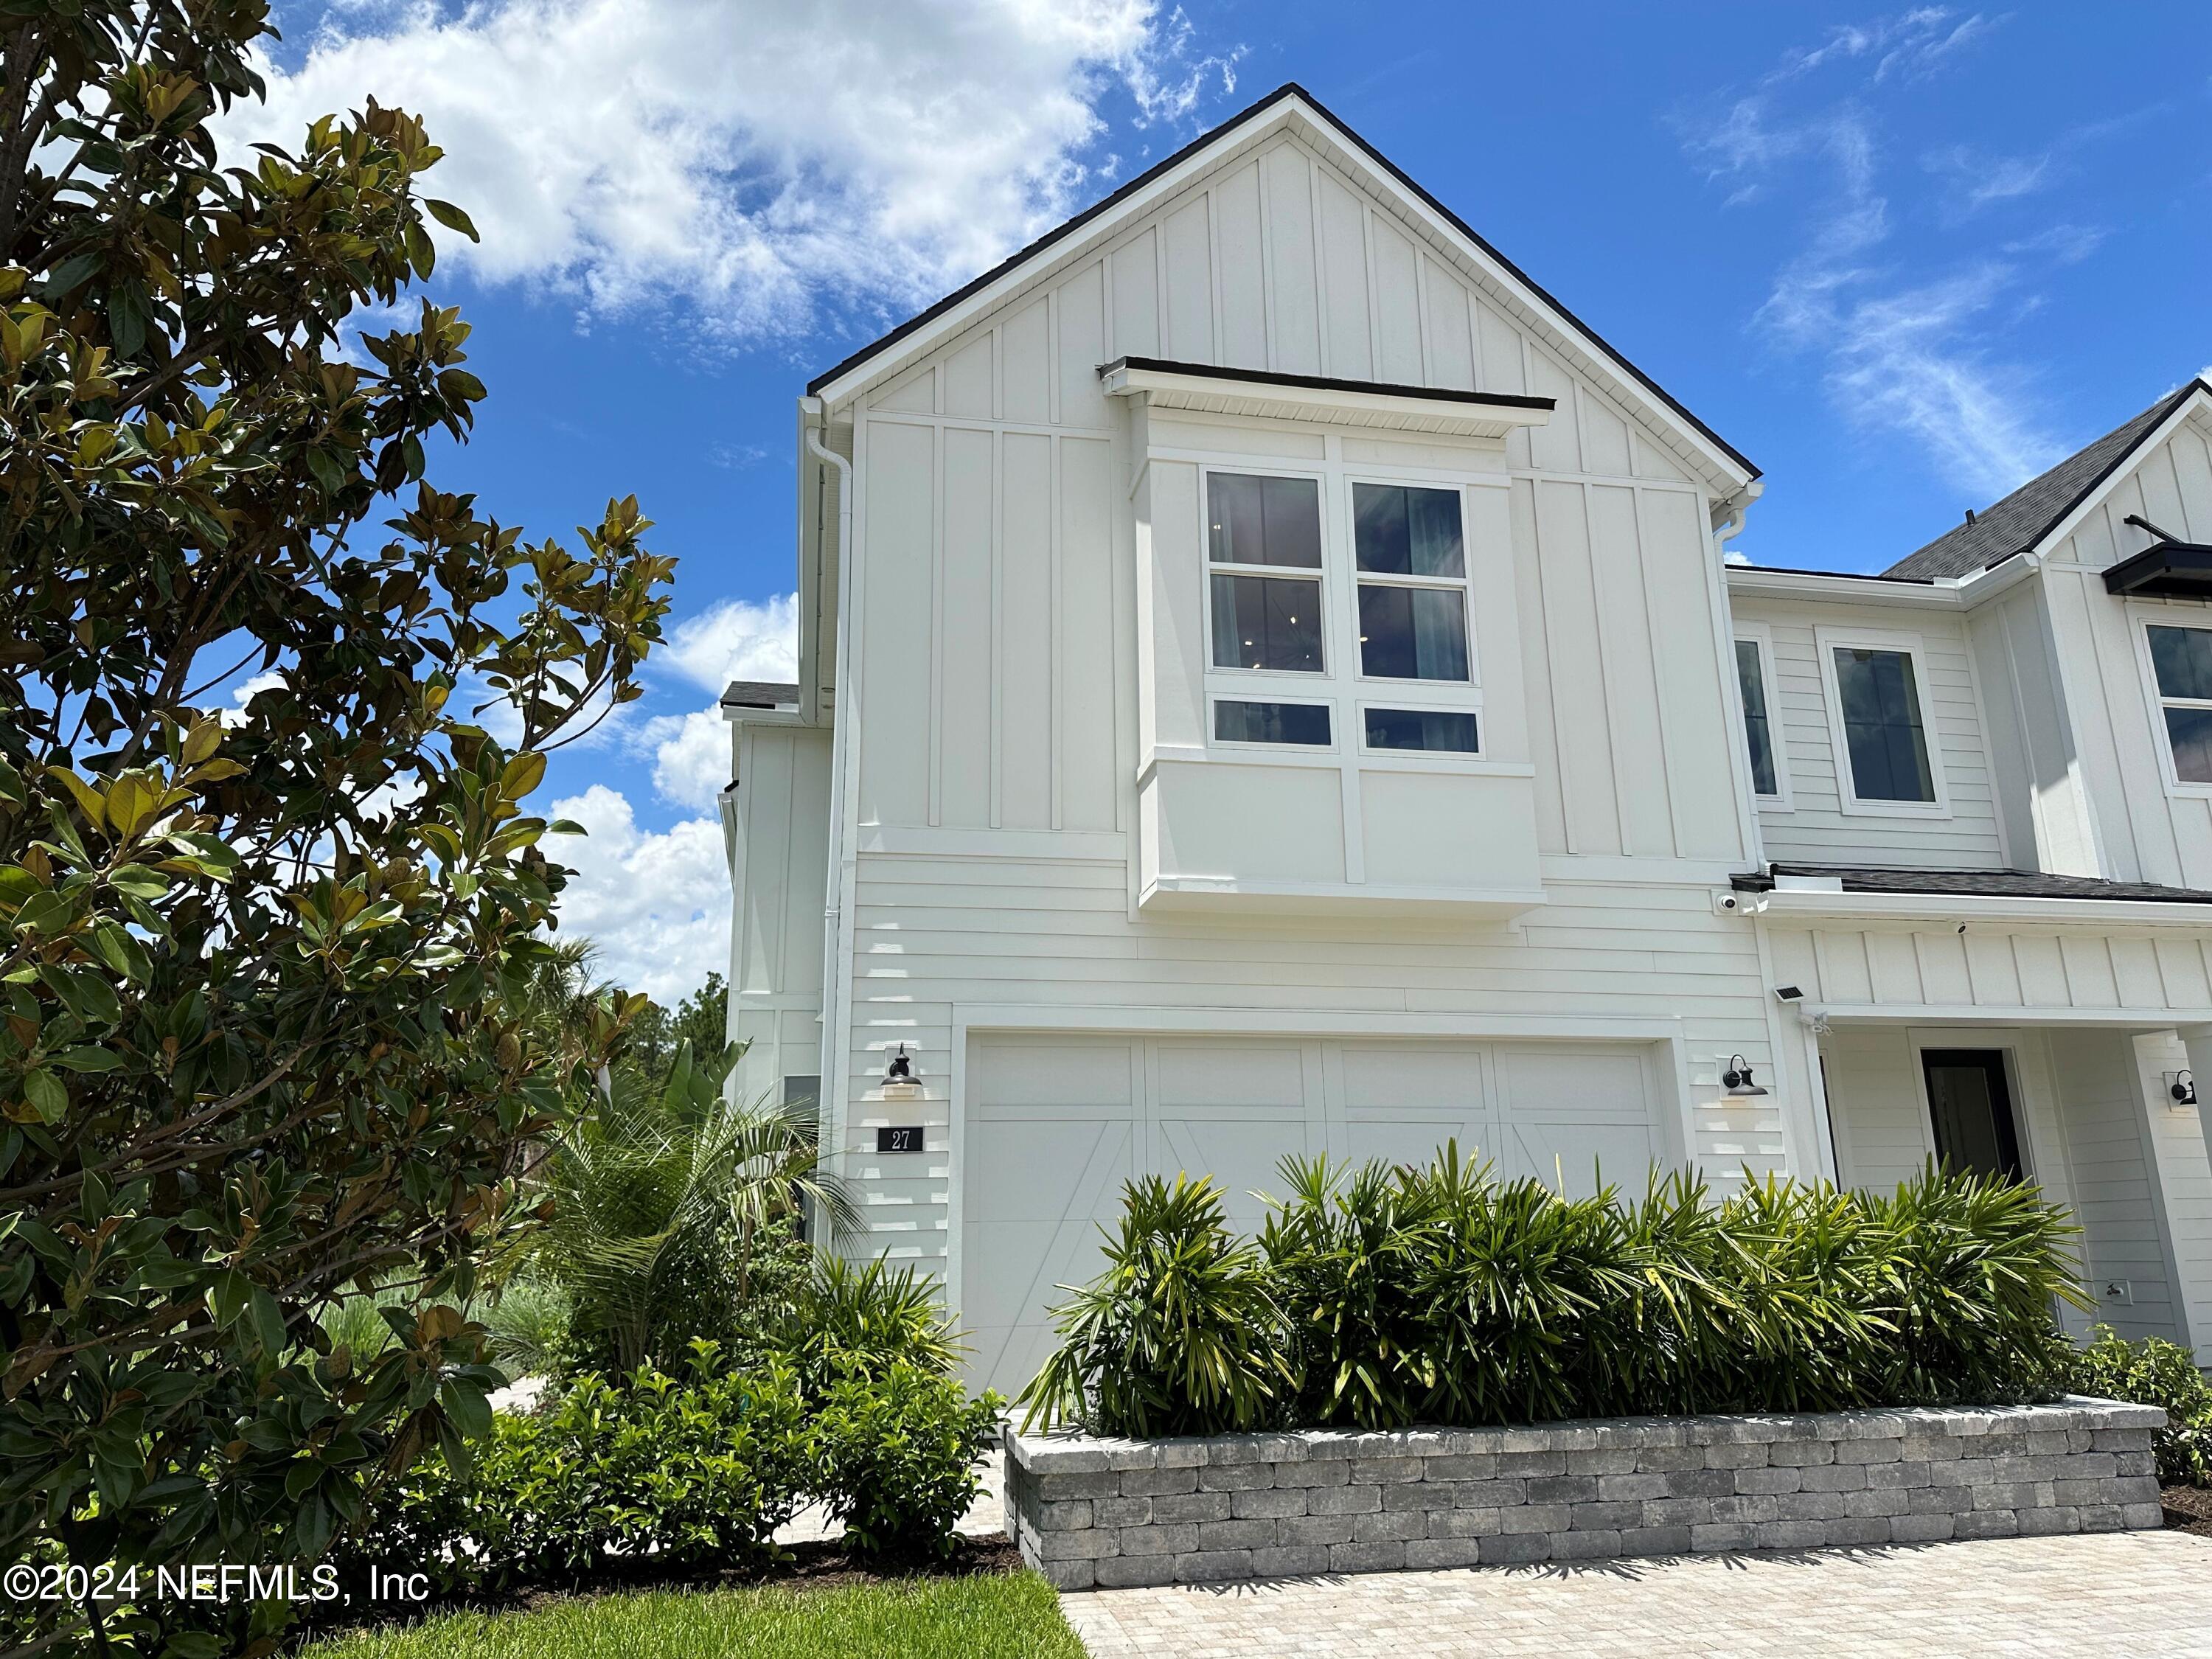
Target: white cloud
[758, 160]
[268, 679]
[1911, 352]
[736, 639]
[657, 905]
[690, 756]
[1910, 47]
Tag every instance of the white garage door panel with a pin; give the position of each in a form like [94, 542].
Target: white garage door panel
[1054, 1126]
[1403, 1101]
[1051, 1139]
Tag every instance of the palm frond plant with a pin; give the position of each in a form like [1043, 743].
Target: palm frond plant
[662, 1206]
[526, 1327]
[859, 1319]
[1344, 1249]
[1181, 1334]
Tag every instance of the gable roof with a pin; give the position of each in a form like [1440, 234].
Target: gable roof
[2020, 521]
[1289, 90]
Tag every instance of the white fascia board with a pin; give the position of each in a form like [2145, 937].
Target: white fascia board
[1962, 907]
[1749, 581]
[1282, 399]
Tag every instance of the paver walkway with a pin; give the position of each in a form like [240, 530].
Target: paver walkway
[2148, 1593]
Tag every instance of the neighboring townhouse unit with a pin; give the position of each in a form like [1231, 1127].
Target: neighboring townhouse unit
[1269, 683]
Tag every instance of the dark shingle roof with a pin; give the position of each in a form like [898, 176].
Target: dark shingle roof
[1976, 884]
[1288, 89]
[2022, 518]
[760, 694]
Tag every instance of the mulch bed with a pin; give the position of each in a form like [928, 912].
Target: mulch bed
[2188, 1509]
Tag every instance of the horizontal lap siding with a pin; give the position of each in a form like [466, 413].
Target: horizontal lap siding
[1817, 830]
[934, 932]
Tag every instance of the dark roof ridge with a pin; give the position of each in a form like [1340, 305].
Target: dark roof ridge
[1288, 89]
[2019, 521]
[1330, 383]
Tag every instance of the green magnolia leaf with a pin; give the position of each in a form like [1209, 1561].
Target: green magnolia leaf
[452, 218]
[47, 1096]
[86, 1060]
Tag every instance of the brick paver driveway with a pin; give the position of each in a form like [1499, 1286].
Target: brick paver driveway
[2147, 1593]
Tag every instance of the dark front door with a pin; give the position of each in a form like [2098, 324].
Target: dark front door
[1972, 1108]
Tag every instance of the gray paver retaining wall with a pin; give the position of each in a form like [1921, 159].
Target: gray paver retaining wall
[1096, 1513]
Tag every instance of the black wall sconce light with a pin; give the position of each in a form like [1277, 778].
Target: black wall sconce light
[1736, 1077]
[2182, 1088]
[900, 1081]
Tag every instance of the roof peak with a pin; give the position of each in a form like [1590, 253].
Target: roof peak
[2021, 520]
[1599, 346]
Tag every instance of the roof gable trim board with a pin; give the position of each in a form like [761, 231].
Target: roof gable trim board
[1279, 110]
[1260, 393]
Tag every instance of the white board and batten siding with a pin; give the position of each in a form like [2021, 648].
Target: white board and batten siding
[2150, 830]
[1817, 827]
[779, 875]
[998, 703]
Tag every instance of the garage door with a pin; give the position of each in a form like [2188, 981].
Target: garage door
[1054, 1126]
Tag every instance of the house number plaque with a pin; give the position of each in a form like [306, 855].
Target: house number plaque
[905, 1138]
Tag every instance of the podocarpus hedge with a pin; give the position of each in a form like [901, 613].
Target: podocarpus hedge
[1381, 1295]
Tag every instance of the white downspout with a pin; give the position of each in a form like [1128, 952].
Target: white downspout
[836, 1065]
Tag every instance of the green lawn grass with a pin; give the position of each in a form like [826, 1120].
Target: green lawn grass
[975, 1617]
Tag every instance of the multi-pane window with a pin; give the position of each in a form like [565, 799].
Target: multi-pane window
[1883, 731]
[1258, 528]
[1284, 583]
[1751, 676]
[2181, 658]
[1412, 559]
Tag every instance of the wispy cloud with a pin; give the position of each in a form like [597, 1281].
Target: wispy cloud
[1907, 345]
[1909, 46]
[760, 166]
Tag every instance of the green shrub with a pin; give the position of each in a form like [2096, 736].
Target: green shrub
[1182, 1334]
[895, 1452]
[866, 1317]
[691, 1473]
[2155, 1372]
[1382, 1296]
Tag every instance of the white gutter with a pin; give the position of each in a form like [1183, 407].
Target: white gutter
[1956, 907]
[835, 1065]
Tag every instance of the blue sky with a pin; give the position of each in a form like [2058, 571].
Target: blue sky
[1902, 259]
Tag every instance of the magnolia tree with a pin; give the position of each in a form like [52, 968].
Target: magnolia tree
[266, 1033]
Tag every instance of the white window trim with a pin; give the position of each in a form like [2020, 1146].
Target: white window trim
[1827, 642]
[1318, 574]
[1334, 747]
[1760, 634]
[1421, 706]
[1341, 683]
[2154, 701]
[1463, 584]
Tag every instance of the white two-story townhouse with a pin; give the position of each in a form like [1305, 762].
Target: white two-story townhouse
[1270, 683]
